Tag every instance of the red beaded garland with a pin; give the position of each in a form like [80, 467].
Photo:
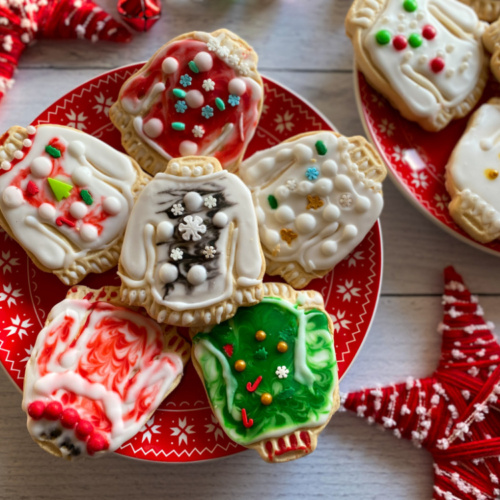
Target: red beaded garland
[53, 410]
[429, 32]
[36, 409]
[97, 442]
[83, 429]
[399, 42]
[69, 418]
[437, 64]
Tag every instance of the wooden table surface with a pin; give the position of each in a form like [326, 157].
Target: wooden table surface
[301, 43]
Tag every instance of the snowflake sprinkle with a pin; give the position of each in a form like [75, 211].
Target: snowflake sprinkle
[186, 80]
[291, 184]
[282, 372]
[209, 252]
[181, 106]
[312, 173]
[176, 254]
[346, 200]
[198, 131]
[210, 201]
[207, 112]
[208, 85]
[192, 227]
[177, 209]
[234, 100]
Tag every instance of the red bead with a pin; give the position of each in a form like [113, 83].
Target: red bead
[53, 410]
[399, 42]
[437, 64]
[83, 429]
[97, 442]
[69, 418]
[32, 189]
[429, 32]
[36, 409]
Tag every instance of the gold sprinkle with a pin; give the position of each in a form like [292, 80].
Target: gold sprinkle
[266, 399]
[282, 346]
[314, 202]
[288, 235]
[260, 335]
[240, 365]
[491, 174]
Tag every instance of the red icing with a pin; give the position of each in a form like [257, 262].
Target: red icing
[53, 410]
[32, 189]
[429, 32]
[399, 42]
[247, 422]
[36, 409]
[69, 418]
[437, 64]
[252, 387]
[63, 220]
[229, 349]
[163, 107]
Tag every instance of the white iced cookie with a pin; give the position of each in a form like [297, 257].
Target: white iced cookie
[472, 175]
[191, 254]
[425, 56]
[316, 195]
[65, 197]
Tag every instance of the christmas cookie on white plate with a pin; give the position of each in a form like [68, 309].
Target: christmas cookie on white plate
[425, 56]
[97, 372]
[200, 94]
[271, 373]
[191, 254]
[316, 195]
[65, 197]
[472, 175]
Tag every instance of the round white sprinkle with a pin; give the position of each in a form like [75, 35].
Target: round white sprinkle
[194, 99]
[5, 165]
[197, 275]
[302, 153]
[362, 204]
[328, 247]
[343, 183]
[169, 65]
[331, 213]
[31, 130]
[284, 214]
[88, 232]
[13, 197]
[47, 212]
[237, 86]
[78, 210]
[76, 149]
[168, 273]
[82, 176]
[350, 232]
[153, 128]
[18, 154]
[193, 201]
[27, 143]
[204, 61]
[220, 219]
[188, 148]
[41, 167]
[111, 205]
[329, 168]
[164, 231]
[323, 186]
[305, 223]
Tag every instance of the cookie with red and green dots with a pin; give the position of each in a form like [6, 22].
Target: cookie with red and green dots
[425, 56]
[200, 94]
[66, 197]
[270, 373]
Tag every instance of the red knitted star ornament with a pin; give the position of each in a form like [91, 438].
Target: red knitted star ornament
[140, 14]
[22, 21]
[454, 413]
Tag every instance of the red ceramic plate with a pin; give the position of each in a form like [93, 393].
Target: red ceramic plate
[417, 159]
[183, 429]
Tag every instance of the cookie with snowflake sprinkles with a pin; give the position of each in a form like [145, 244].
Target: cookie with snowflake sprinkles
[200, 94]
[472, 175]
[271, 373]
[65, 197]
[97, 372]
[192, 254]
[316, 195]
[425, 56]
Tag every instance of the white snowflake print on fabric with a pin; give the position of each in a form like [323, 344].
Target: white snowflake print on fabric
[354, 258]
[265, 108]
[198, 131]
[441, 201]
[10, 295]
[7, 262]
[150, 428]
[284, 122]
[210, 201]
[386, 127]
[340, 321]
[192, 228]
[76, 120]
[28, 354]
[103, 104]
[176, 254]
[177, 209]
[208, 85]
[182, 431]
[419, 179]
[282, 372]
[214, 428]
[348, 290]
[18, 327]
[209, 252]
[398, 153]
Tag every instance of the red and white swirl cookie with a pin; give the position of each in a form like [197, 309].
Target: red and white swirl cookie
[200, 94]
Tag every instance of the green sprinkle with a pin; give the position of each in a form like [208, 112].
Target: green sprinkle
[260, 353]
[179, 93]
[193, 67]
[220, 104]
[383, 37]
[86, 197]
[178, 126]
[410, 5]
[273, 202]
[54, 152]
[415, 40]
[321, 148]
[59, 188]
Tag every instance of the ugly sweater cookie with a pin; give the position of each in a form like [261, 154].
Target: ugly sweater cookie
[65, 197]
[271, 373]
[191, 254]
[316, 195]
[200, 94]
[97, 372]
[425, 56]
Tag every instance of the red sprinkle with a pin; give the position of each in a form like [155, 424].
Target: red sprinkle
[69, 418]
[247, 422]
[97, 442]
[36, 409]
[399, 42]
[429, 32]
[32, 189]
[62, 220]
[252, 387]
[83, 429]
[53, 410]
[437, 64]
[229, 349]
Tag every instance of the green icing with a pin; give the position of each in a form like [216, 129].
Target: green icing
[273, 202]
[302, 399]
[52, 151]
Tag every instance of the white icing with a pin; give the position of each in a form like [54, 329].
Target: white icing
[88, 232]
[111, 205]
[423, 91]
[188, 148]
[193, 201]
[204, 61]
[220, 219]
[168, 273]
[47, 212]
[78, 210]
[82, 176]
[194, 98]
[164, 231]
[332, 222]
[197, 275]
[76, 148]
[41, 167]
[169, 65]
[237, 86]
[153, 128]
[12, 197]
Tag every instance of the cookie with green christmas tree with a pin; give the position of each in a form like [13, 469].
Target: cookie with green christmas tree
[270, 372]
